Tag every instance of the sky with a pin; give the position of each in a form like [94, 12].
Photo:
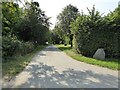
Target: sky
[53, 7]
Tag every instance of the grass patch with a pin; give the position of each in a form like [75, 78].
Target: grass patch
[16, 65]
[108, 62]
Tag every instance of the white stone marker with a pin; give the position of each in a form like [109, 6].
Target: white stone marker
[99, 54]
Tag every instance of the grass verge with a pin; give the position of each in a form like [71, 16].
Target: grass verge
[16, 65]
[108, 62]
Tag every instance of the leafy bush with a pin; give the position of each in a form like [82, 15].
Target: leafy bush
[27, 47]
[11, 46]
[92, 32]
[66, 40]
[22, 28]
[8, 46]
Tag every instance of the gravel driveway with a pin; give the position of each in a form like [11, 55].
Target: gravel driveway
[52, 68]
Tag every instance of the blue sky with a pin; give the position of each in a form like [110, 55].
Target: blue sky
[53, 7]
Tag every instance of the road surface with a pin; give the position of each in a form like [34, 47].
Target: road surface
[52, 68]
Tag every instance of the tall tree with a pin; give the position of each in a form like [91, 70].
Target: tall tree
[94, 31]
[35, 24]
[68, 15]
[113, 19]
[23, 27]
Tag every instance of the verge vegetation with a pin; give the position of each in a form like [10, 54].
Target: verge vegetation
[108, 62]
[17, 64]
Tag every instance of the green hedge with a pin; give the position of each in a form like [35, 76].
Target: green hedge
[88, 45]
[94, 31]
[11, 46]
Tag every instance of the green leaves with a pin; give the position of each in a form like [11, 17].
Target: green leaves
[23, 28]
[65, 18]
[93, 31]
[68, 15]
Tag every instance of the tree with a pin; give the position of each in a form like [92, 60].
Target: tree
[68, 15]
[23, 28]
[58, 33]
[86, 29]
[113, 19]
[35, 24]
[11, 15]
[95, 31]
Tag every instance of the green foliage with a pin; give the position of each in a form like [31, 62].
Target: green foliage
[23, 28]
[92, 32]
[10, 17]
[67, 40]
[68, 15]
[108, 62]
[114, 21]
[17, 64]
[57, 35]
[55, 38]
[35, 24]
[12, 47]
[26, 47]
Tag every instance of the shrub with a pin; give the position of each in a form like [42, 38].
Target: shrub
[27, 47]
[92, 32]
[11, 46]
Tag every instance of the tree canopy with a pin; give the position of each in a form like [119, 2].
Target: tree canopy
[68, 15]
[23, 28]
[90, 31]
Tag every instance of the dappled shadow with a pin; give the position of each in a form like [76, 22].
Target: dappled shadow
[44, 76]
[41, 54]
[51, 48]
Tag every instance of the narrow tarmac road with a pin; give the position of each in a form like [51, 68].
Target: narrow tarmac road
[52, 68]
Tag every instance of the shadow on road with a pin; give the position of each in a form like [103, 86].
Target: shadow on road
[51, 48]
[47, 77]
